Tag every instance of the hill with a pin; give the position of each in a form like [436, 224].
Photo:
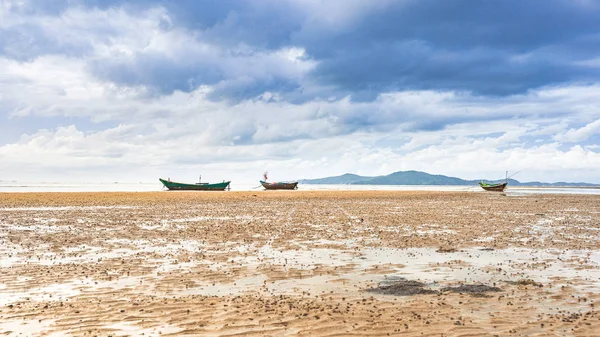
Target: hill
[347, 178]
[423, 178]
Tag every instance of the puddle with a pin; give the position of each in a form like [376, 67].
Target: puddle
[63, 291]
[347, 268]
[469, 266]
[128, 329]
[28, 328]
[54, 292]
[483, 266]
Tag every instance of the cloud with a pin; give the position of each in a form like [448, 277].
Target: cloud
[141, 157]
[149, 50]
[581, 134]
[348, 48]
[180, 131]
[498, 48]
[301, 86]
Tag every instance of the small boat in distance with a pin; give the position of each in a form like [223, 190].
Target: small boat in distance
[493, 187]
[284, 185]
[499, 187]
[173, 186]
[292, 185]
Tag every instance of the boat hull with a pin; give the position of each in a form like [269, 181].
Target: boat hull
[174, 186]
[279, 186]
[494, 187]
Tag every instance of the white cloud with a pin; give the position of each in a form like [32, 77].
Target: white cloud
[581, 134]
[183, 132]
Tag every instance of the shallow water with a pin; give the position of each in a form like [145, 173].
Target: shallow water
[358, 269]
[24, 327]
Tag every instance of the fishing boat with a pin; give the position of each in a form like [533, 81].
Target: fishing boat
[173, 186]
[282, 185]
[288, 185]
[493, 187]
[499, 187]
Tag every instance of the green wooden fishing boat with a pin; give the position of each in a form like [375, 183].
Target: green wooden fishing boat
[493, 187]
[173, 186]
[499, 187]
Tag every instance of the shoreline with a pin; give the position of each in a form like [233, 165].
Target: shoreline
[143, 188]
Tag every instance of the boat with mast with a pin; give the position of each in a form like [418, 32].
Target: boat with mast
[199, 186]
[282, 185]
[499, 187]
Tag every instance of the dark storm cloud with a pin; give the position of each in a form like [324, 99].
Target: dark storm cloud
[487, 47]
[493, 48]
[155, 71]
[263, 24]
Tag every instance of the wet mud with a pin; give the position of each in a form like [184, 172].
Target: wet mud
[299, 263]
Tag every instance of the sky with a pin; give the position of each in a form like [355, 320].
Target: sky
[117, 90]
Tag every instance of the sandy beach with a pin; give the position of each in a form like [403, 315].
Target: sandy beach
[306, 263]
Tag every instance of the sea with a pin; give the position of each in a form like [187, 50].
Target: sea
[16, 186]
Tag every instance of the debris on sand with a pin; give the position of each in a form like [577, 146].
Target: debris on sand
[446, 250]
[472, 289]
[525, 282]
[402, 287]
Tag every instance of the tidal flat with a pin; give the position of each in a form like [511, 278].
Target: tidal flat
[299, 263]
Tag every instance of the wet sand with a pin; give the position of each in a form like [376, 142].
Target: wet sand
[280, 263]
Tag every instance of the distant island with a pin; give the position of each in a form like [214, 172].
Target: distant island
[423, 178]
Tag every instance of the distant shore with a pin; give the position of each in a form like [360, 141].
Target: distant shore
[254, 187]
[555, 187]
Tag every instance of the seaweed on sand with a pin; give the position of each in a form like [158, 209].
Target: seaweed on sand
[472, 289]
[402, 287]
